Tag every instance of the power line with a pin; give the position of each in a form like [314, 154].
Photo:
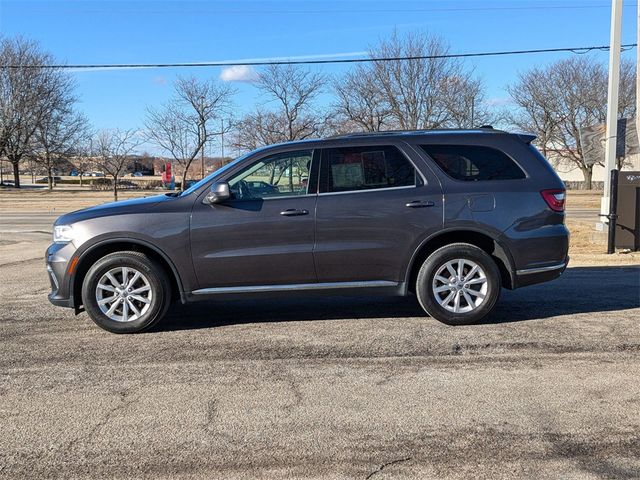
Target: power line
[279, 11]
[576, 50]
[419, 10]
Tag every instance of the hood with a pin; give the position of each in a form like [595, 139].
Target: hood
[136, 205]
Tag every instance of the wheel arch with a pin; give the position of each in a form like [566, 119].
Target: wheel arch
[99, 250]
[486, 242]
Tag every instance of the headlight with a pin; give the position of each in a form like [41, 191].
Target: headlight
[62, 233]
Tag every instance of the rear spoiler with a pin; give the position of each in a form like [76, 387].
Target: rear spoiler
[526, 137]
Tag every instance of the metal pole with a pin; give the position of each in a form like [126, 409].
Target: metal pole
[613, 212]
[612, 100]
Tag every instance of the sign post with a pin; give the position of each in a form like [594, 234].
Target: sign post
[613, 212]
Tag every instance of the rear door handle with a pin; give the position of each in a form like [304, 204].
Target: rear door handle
[420, 204]
[294, 212]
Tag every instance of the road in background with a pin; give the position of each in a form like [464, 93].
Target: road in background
[14, 222]
[589, 214]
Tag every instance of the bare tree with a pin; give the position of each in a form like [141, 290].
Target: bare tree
[83, 160]
[112, 153]
[360, 101]
[257, 129]
[419, 93]
[555, 101]
[58, 136]
[183, 126]
[293, 91]
[30, 91]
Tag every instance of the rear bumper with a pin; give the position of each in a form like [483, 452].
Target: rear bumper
[531, 276]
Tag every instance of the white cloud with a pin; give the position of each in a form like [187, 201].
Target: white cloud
[159, 80]
[499, 101]
[239, 73]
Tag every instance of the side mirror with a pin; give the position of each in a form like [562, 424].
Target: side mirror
[219, 193]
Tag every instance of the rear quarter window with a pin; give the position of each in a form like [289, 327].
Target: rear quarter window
[470, 163]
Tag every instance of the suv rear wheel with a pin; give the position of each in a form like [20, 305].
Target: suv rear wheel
[126, 292]
[458, 284]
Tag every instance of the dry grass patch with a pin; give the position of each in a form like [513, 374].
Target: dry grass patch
[588, 247]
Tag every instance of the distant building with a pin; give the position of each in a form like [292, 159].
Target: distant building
[195, 170]
[571, 174]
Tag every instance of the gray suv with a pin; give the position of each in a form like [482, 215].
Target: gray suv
[450, 216]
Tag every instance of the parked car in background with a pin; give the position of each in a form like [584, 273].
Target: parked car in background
[127, 185]
[46, 179]
[73, 173]
[136, 174]
[260, 188]
[451, 217]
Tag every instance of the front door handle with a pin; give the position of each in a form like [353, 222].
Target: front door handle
[420, 204]
[294, 212]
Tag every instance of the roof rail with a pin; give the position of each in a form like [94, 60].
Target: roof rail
[485, 128]
[367, 134]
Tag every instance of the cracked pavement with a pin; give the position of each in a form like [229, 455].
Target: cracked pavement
[323, 388]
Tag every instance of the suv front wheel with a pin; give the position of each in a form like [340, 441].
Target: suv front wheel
[126, 292]
[458, 284]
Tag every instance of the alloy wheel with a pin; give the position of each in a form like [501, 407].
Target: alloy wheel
[124, 294]
[460, 286]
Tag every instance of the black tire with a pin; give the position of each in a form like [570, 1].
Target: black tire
[157, 279]
[437, 260]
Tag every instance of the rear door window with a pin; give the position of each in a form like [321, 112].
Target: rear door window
[470, 163]
[365, 168]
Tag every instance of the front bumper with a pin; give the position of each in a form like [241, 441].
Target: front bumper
[57, 260]
[60, 302]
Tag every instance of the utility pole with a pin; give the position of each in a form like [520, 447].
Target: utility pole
[203, 143]
[638, 76]
[202, 159]
[222, 136]
[473, 112]
[611, 131]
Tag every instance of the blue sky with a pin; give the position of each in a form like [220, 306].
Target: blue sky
[190, 31]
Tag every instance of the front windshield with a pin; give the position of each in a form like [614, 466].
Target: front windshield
[214, 174]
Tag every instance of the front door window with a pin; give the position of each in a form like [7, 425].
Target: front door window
[279, 175]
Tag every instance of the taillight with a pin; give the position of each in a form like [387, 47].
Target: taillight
[554, 198]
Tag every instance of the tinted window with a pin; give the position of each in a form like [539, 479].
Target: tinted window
[278, 175]
[365, 168]
[473, 163]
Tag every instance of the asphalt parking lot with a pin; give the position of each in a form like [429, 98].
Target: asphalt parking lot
[317, 388]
